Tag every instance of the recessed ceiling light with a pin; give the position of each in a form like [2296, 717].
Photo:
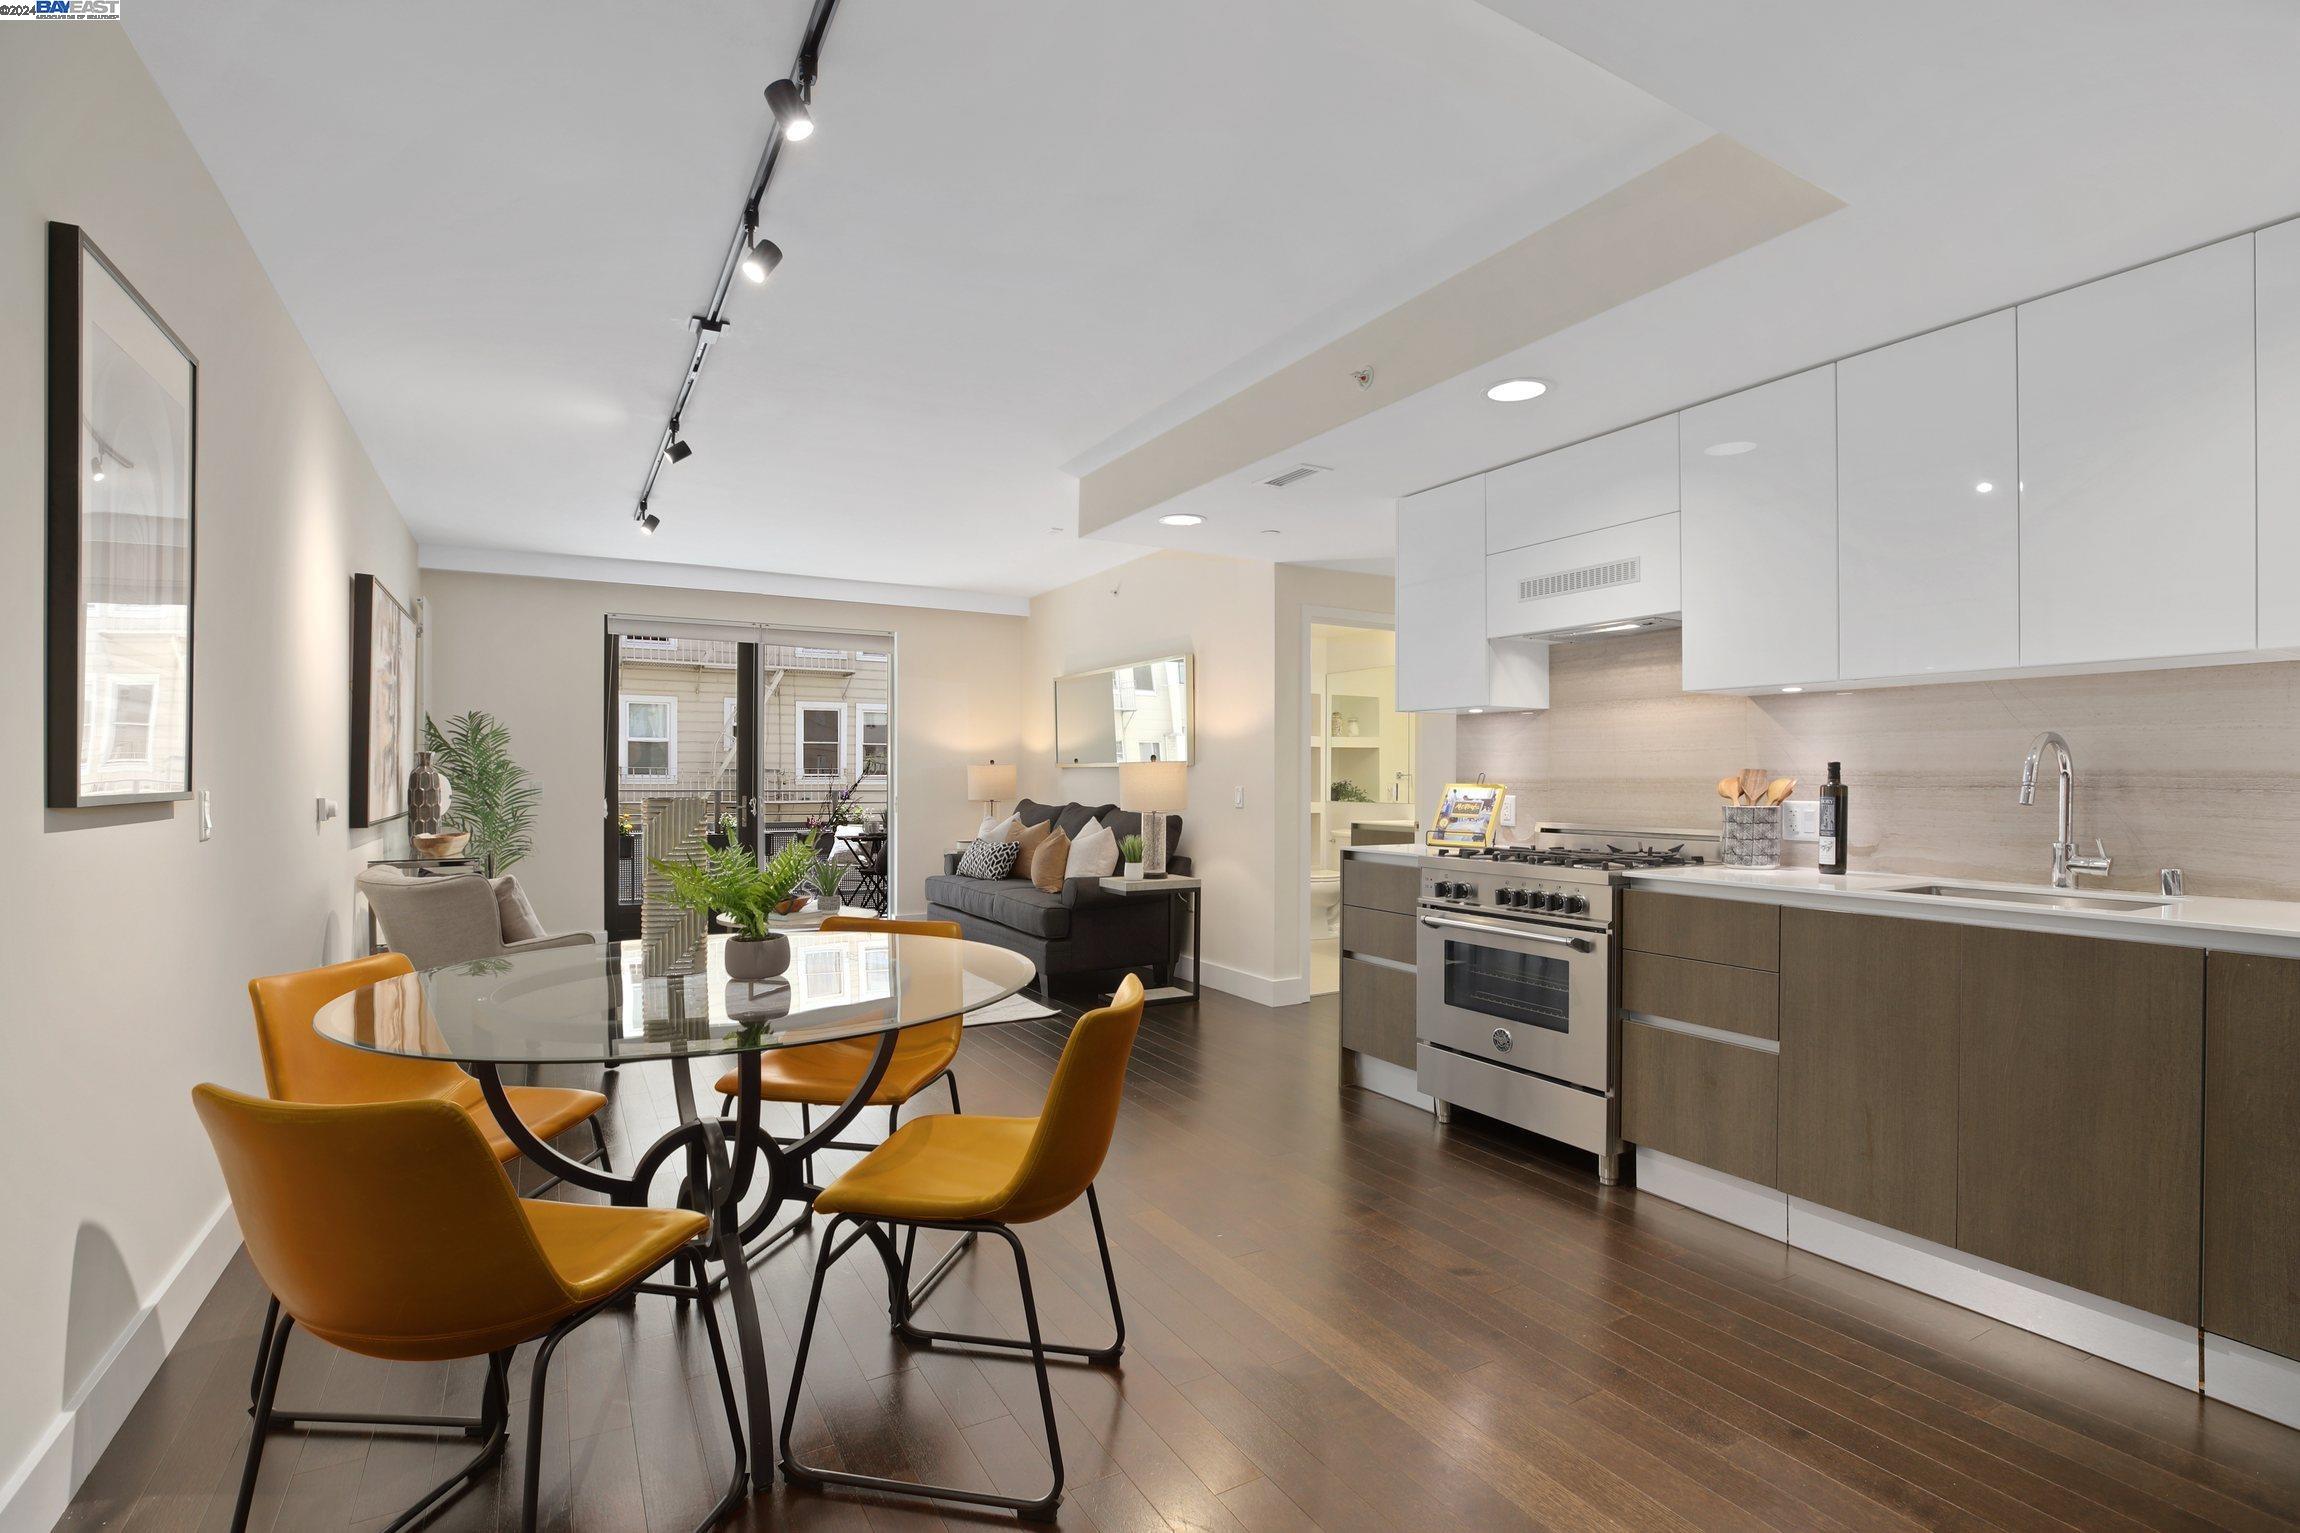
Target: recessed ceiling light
[1729, 449]
[1983, 488]
[1792, 689]
[1516, 390]
[1180, 519]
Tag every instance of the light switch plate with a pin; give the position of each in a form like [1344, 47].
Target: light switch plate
[1509, 811]
[1238, 798]
[207, 817]
[1801, 819]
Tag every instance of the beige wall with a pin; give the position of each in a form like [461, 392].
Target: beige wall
[129, 941]
[531, 651]
[2191, 768]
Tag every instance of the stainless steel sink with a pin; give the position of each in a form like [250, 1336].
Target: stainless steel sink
[2054, 899]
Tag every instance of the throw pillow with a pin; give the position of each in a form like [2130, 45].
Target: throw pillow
[988, 859]
[1030, 838]
[514, 914]
[1052, 862]
[1002, 831]
[1094, 854]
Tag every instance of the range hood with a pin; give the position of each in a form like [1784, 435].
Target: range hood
[1593, 585]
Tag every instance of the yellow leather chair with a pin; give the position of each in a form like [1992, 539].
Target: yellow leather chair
[984, 1176]
[301, 1066]
[389, 1229]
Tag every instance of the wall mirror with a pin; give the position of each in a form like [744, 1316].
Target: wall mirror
[1134, 712]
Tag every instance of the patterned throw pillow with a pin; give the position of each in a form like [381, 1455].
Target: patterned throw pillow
[988, 859]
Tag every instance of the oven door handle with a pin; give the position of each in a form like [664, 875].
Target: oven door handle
[1578, 944]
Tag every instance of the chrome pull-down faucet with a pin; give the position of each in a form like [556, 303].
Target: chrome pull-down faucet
[2066, 864]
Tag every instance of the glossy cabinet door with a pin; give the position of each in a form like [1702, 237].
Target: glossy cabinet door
[1623, 476]
[2136, 463]
[2277, 252]
[1928, 516]
[1760, 536]
[2080, 1113]
[1444, 660]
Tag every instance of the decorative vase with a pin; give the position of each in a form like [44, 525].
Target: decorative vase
[828, 904]
[428, 795]
[762, 959]
[1134, 870]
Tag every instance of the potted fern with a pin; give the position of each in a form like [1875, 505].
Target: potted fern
[1130, 852]
[494, 798]
[745, 893]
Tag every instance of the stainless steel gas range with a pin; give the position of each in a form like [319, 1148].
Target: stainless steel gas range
[1519, 981]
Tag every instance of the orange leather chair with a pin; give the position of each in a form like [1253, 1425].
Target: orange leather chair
[826, 1074]
[389, 1229]
[983, 1176]
[301, 1066]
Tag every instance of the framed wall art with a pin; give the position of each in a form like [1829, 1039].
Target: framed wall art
[383, 721]
[123, 427]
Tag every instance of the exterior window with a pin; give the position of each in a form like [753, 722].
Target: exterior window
[648, 641]
[131, 741]
[873, 721]
[826, 973]
[650, 738]
[822, 739]
[822, 654]
[871, 656]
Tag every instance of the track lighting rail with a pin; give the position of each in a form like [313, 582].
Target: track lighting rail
[788, 98]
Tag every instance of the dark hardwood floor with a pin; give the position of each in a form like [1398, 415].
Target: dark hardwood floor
[1341, 1316]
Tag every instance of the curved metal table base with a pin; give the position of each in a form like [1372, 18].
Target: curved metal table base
[724, 1174]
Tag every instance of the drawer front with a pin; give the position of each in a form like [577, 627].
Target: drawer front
[1714, 995]
[1738, 932]
[1380, 885]
[1378, 934]
[1715, 1104]
[1378, 1010]
[1557, 1112]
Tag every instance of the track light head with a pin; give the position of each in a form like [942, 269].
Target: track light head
[760, 261]
[96, 467]
[648, 521]
[790, 109]
[678, 451]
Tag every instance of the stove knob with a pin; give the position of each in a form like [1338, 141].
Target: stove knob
[1554, 900]
[1457, 891]
[1575, 905]
[1501, 896]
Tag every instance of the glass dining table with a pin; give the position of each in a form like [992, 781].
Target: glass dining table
[628, 1003]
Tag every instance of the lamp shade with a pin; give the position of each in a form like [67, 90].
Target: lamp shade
[990, 779]
[1163, 786]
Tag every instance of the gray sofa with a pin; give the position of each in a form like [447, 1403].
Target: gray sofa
[1080, 933]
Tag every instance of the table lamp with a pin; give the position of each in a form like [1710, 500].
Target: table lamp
[1155, 789]
[989, 781]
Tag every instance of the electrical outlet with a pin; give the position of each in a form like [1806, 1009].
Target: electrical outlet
[1801, 819]
[1509, 811]
[207, 817]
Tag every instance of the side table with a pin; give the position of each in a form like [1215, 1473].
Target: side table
[1174, 889]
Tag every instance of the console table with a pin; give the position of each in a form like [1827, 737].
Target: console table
[1174, 889]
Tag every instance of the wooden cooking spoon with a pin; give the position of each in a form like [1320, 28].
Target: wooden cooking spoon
[1729, 789]
[1752, 785]
[1778, 789]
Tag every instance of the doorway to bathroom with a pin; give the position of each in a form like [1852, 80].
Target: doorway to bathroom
[1361, 772]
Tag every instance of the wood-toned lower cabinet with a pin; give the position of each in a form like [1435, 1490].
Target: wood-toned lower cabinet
[1869, 1068]
[1378, 1010]
[2252, 1151]
[2080, 1066]
[1700, 1099]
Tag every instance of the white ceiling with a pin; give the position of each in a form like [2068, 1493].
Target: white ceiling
[1025, 235]
[1988, 151]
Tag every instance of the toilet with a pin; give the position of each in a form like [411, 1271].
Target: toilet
[1325, 902]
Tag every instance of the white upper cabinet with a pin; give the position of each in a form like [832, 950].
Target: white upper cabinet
[1624, 476]
[1760, 536]
[2136, 463]
[1444, 659]
[2278, 252]
[1928, 516]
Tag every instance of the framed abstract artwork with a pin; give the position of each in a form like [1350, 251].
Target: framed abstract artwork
[383, 722]
[123, 424]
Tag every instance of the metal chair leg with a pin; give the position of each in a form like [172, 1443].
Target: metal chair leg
[1100, 1356]
[599, 1138]
[532, 1483]
[275, 1348]
[950, 1079]
[263, 1348]
[1035, 1509]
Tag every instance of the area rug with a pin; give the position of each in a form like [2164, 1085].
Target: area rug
[1015, 1008]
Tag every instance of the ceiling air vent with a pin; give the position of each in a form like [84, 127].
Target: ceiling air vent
[1295, 475]
[1590, 577]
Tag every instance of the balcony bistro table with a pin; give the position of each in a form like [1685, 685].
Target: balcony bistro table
[623, 1003]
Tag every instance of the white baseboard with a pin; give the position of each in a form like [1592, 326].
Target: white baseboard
[2149, 1343]
[1385, 1079]
[2261, 1382]
[1713, 1193]
[1262, 989]
[36, 1493]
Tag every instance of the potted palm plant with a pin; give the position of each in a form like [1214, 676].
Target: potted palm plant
[733, 885]
[494, 798]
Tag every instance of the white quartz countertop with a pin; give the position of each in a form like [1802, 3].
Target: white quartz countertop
[1406, 852]
[2237, 926]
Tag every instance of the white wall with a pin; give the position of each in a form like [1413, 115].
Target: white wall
[128, 941]
[531, 651]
